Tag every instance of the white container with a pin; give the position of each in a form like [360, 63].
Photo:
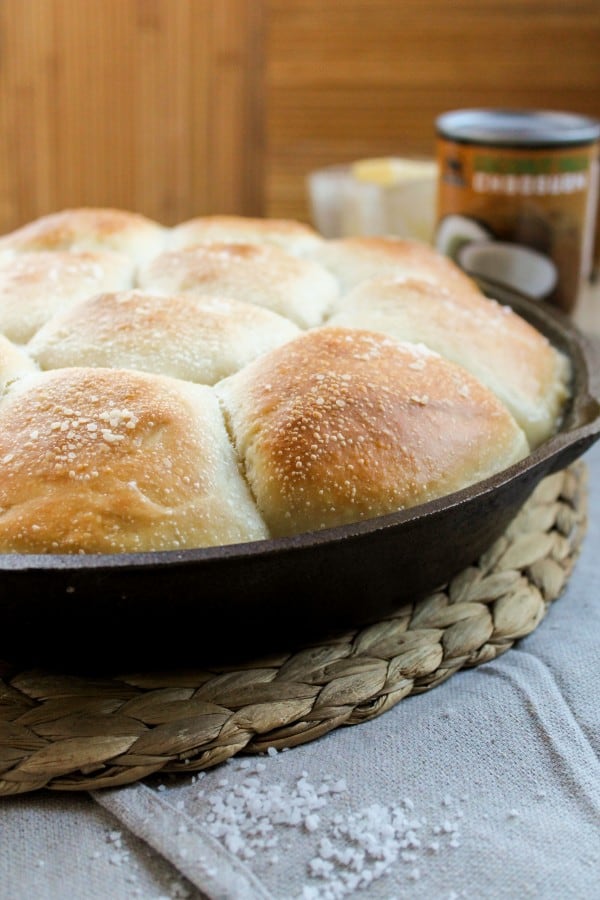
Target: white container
[392, 195]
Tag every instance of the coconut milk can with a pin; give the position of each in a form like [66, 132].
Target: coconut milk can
[517, 198]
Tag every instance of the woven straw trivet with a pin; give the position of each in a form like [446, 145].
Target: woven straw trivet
[72, 733]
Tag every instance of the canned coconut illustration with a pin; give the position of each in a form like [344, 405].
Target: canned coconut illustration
[517, 195]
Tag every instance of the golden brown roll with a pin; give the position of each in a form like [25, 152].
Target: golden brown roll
[232, 379]
[90, 228]
[200, 339]
[260, 274]
[496, 345]
[294, 237]
[355, 259]
[110, 460]
[341, 425]
[34, 286]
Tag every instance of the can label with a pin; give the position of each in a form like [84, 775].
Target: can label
[520, 216]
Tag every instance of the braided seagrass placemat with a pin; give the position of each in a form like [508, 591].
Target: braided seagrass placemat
[72, 733]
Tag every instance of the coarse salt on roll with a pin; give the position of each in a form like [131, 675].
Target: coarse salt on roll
[341, 425]
[34, 286]
[260, 274]
[199, 339]
[113, 461]
[495, 344]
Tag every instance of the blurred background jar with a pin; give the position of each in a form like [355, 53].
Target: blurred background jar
[517, 198]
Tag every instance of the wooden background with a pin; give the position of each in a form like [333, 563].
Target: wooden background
[178, 108]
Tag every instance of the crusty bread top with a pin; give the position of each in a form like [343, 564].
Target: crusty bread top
[200, 339]
[90, 229]
[36, 285]
[294, 237]
[495, 344]
[254, 273]
[340, 425]
[355, 259]
[110, 460]
[158, 398]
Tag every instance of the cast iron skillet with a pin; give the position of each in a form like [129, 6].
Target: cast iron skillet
[226, 603]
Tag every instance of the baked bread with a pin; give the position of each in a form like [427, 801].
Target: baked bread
[262, 274]
[14, 364]
[341, 425]
[355, 259]
[90, 229]
[200, 339]
[36, 285]
[495, 344]
[227, 390]
[113, 460]
[294, 237]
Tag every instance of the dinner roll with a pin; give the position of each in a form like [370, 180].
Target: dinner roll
[495, 344]
[341, 425]
[110, 460]
[34, 286]
[261, 274]
[89, 228]
[294, 237]
[199, 339]
[232, 379]
[14, 363]
[355, 259]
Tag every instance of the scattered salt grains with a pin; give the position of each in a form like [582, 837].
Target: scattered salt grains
[351, 850]
[118, 854]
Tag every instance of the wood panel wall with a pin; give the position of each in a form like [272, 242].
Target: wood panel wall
[348, 79]
[183, 107]
[150, 105]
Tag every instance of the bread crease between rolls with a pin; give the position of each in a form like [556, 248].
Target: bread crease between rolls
[233, 379]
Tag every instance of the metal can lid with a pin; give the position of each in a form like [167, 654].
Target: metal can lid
[517, 127]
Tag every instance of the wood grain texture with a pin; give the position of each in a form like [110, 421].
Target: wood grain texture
[151, 105]
[183, 107]
[368, 77]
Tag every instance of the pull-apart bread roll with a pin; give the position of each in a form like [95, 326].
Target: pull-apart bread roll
[294, 237]
[109, 460]
[90, 229]
[200, 339]
[34, 286]
[356, 259]
[341, 425]
[495, 344]
[232, 379]
[260, 274]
